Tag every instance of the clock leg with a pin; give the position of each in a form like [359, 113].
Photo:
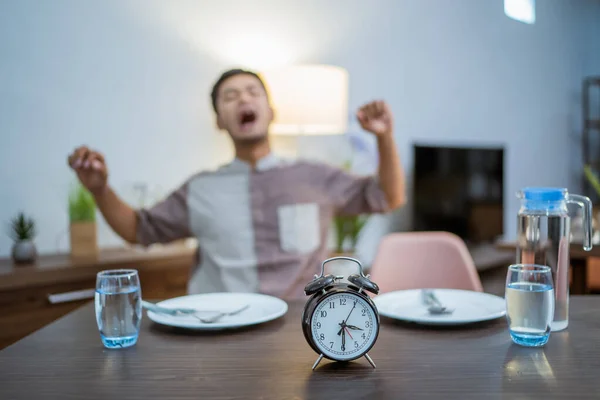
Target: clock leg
[369, 360]
[317, 362]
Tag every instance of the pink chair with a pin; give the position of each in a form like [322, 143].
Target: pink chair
[417, 260]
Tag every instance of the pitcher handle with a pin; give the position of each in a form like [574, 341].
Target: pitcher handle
[585, 203]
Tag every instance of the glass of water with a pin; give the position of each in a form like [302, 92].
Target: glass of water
[529, 303]
[118, 307]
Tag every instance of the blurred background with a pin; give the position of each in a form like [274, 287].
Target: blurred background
[487, 95]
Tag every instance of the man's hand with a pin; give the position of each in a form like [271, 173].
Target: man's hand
[376, 117]
[90, 168]
[93, 174]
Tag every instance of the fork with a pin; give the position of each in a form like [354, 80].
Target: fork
[434, 305]
[189, 311]
[170, 311]
[220, 315]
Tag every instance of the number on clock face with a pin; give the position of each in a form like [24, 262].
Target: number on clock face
[344, 326]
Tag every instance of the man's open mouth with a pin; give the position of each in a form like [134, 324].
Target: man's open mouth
[247, 118]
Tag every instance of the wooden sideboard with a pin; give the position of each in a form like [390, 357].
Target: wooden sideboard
[584, 266]
[25, 305]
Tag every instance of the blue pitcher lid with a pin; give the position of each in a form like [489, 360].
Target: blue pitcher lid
[544, 193]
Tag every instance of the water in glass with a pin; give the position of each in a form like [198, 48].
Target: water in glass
[529, 304]
[118, 304]
[553, 229]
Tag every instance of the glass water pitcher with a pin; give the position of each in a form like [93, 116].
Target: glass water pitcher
[543, 237]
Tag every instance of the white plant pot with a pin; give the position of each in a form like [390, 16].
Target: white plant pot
[24, 252]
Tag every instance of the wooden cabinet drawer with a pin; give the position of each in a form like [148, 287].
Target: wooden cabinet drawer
[26, 310]
[24, 291]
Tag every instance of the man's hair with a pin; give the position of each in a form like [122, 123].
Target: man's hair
[214, 94]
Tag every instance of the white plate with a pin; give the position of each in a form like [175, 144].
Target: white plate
[469, 306]
[262, 308]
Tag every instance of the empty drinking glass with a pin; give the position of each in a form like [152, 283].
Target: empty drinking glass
[118, 307]
[529, 303]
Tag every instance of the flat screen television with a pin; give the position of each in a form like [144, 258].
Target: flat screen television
[459, 190]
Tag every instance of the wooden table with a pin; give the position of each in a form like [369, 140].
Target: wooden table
[579, 258]
[66, 360]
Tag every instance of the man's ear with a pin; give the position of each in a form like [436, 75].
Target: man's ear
[272, 114]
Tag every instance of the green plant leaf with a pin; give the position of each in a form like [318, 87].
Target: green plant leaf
[82, 207]
[348, 227]
[22, 228]
[339, 223]
[591, 177]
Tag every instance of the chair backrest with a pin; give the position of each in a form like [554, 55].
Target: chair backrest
[417, 260]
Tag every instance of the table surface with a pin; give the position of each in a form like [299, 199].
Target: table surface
[66, 360]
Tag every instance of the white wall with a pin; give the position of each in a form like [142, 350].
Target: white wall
[592, 38]
[131, 77]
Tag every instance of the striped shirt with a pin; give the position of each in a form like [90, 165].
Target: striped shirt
[259, 230]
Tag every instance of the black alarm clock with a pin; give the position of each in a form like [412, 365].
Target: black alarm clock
[340, 321]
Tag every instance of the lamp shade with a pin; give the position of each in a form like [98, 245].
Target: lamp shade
[308, 99]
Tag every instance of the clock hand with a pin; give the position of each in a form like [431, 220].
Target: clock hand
[354, 327]
[346, 329]
[341, 324]
[343, 340]
[353, 307]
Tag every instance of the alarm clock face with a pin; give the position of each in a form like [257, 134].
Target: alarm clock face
[344, 326]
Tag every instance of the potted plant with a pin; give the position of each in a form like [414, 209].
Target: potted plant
[347, 229]
[23, 231]
[82, 222]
